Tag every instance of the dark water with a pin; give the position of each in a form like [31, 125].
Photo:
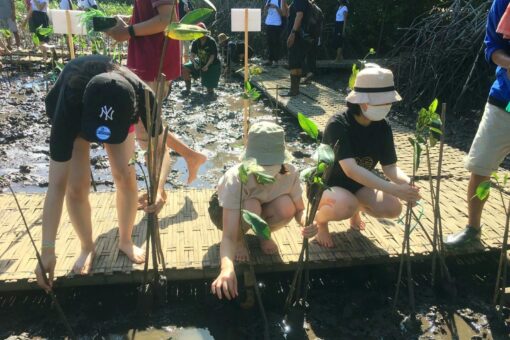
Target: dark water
[344, 304]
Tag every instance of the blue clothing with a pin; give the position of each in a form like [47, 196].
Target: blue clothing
[500, 89]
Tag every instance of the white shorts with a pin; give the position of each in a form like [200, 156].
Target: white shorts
[492, 142]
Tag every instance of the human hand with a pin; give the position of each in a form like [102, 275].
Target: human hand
[406, 192]
[120, 31]
[205, 68]
[157, 205]
[290, 40]
[310, 231]
[49, 261]
[225, 284]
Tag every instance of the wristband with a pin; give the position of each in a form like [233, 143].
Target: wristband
[131, 31]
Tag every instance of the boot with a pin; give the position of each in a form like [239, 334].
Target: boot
[294, 86]
[339, 55]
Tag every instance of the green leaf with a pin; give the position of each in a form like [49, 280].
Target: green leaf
[252, 167]
[255, 70]
[306, 174]
[263, 178]
[247, 86]
[210, 5]
[308, 126]
[325, 154]
[196, 16]
[45, 31]
[35, 39]
[243, 173]
[416, 156]
[352, 78]
[178, 31]
[321, 168]
[6, 33]
[433, 105]
[483, 190]
[259, 226]
[371, 51]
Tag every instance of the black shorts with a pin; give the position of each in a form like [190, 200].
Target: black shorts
[39, 19]
[339, 37]
[297, 53]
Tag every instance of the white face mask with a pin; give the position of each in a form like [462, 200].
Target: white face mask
[376, 113]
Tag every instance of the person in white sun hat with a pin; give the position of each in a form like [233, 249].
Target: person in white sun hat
[277, 203]
[365, 139]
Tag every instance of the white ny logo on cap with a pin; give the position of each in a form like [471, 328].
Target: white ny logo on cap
[107, 112]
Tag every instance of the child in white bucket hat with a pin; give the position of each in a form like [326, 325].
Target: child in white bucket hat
[277, 203]
[365, 139]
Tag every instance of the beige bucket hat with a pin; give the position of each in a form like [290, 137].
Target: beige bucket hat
[222, 37]
[266, 144]
[374, 85]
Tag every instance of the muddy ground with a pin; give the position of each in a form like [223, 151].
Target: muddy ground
[344, 304]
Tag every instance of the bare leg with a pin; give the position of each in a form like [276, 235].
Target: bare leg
[475, 206]
[277, 213]
[126, 195]
[378, 204]
[336, 204]
[356, 222]
[78, 205]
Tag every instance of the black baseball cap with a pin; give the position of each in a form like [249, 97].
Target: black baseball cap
[108, 106]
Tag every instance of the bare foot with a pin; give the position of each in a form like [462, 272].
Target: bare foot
[269, 247]
[134, 253]
[323, 236]
[194, 163]
[83, 264]
[357, 223]
[241, 252]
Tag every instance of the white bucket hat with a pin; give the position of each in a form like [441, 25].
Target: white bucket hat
[374, 85]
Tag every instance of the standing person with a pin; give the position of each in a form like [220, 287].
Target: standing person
[365, 139]
[146, 40]
[277, 203]
[93, 100]
[277, 11]
[297, 46]
[340, 24]
[87, 5]
[66, 5]
[492, 141]
[38, 17]
[204, 63]
[8, 21]
[315, 31]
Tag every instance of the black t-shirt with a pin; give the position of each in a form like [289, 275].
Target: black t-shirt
[298, 6]
[204, 51]
[368, 145]
[64, 101]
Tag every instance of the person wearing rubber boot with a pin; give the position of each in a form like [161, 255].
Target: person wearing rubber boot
[203, 64]
[492, 141]
[296, 44]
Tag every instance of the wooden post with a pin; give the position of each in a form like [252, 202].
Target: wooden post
[70, 35]
[246, 78]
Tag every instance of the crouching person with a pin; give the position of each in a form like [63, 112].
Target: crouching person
[277, 203]
[365, 139]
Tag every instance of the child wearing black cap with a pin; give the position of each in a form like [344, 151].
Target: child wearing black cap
[93, 100]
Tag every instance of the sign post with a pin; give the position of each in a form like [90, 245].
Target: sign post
[246, 20]
[68, 22]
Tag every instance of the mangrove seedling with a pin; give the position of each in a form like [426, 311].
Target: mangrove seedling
[316, 179]
[482, 193]
[356, 68]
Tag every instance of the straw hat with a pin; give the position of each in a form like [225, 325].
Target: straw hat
[222, 37]
[266, 144]
[374, 85]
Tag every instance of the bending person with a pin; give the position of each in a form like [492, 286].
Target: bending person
[277, 203]
[365, 139]
[93, 100]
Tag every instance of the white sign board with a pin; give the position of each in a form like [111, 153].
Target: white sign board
[59, 21]
[254, 19]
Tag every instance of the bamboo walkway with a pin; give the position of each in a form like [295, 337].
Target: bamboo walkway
[191, 242]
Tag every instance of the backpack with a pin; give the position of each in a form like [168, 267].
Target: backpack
[315, 19]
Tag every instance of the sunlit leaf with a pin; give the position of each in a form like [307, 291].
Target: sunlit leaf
[196, 16]
[352, 78]
[45, 31]
[35, 39]
[306, 174]
[495, 176]
[321, 168]
[371, 51]
[483, 190]
[308, 126]
[243, 173]
[263, 178]
[256, 70]
[252, 167]
[247, 86]
[257, 224]
[433, 105]
[6, 33]
[178, 31]
[210, 5]
[325, 154]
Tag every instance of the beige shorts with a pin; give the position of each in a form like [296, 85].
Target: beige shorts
[492, 142]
